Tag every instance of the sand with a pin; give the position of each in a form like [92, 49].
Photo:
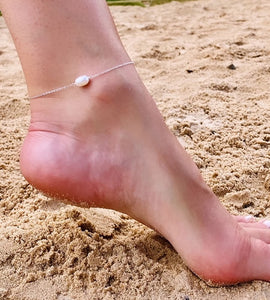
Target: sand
[183, 51]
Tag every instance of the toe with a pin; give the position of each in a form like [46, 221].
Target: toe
[245, 219]
[262, 234]
[258, 264]
[254, 225]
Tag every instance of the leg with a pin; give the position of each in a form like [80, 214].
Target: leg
[107, 145]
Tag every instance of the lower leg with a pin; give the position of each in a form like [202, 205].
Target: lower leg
[107, 145]
[57, 41]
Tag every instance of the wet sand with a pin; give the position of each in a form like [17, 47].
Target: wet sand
[207, 65]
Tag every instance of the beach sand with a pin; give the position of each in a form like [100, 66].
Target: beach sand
[220, 114]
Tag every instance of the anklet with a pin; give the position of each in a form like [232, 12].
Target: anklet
[82, 80]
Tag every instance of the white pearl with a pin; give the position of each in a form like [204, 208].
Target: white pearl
[82, 80]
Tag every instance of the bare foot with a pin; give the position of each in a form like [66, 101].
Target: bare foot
[106, 145]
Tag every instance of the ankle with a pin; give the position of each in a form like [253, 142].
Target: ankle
[110, 92]
[56, 73]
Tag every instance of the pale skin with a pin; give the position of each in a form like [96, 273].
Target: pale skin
[106, 145]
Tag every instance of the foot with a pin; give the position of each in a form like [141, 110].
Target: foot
[106, 145]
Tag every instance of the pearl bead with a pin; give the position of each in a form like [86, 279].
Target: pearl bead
[82, 80]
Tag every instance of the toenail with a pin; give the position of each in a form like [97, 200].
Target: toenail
[249, 218]
[267, 223]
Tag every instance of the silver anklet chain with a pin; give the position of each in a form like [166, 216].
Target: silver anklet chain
[82, 80]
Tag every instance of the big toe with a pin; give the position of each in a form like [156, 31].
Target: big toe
[258, 264]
